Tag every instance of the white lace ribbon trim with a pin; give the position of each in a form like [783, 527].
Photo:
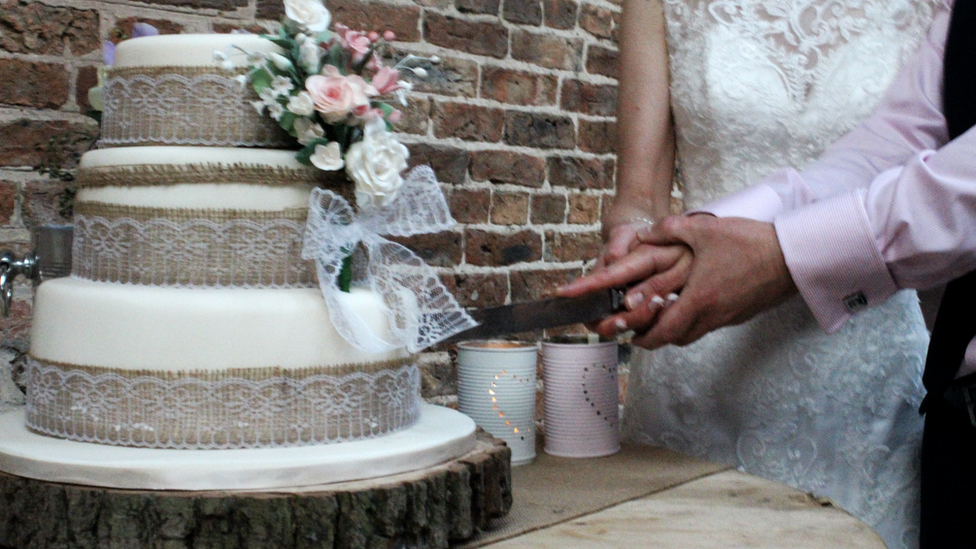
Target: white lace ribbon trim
[184, 106]
[421, 311]
[246, 408]
[190, 248]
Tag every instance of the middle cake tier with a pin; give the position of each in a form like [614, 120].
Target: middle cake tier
[195, 217]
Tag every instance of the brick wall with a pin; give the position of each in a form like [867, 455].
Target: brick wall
[517, 121]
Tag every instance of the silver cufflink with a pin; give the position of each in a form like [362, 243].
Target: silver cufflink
[855, 302]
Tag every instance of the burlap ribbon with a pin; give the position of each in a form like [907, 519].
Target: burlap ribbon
[206, 106]
[221, 409]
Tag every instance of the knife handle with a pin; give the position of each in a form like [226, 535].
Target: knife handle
[617, 296]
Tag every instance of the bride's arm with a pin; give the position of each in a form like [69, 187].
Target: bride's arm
[645, 134]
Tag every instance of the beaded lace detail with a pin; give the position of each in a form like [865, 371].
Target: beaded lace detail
[761, 84]
[184, 106]
[757, 85]
[243, 408]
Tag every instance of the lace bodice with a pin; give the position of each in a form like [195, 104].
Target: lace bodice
[758, 85]
[761, 84]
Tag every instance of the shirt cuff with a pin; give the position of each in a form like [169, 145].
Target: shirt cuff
[831, 253]
[758, 202]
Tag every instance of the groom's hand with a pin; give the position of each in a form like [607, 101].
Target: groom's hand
[649, 272]
[738, 271]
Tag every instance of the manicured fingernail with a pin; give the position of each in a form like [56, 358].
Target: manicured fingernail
[633, 300]
[657, 300]
[672, 297]
[620, 324]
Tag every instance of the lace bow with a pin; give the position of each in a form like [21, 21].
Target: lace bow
[420, 310]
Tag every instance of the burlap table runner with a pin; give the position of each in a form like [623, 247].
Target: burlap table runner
[552, 490]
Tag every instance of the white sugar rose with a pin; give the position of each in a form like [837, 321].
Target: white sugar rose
[307, 131]
[301, 104]
[374, 164]
[311, 13]
[327, 157]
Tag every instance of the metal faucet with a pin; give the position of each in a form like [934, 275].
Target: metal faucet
[50, 258]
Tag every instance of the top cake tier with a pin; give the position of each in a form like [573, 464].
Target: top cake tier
[173, 90]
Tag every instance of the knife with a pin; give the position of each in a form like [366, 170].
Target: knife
[537, 315]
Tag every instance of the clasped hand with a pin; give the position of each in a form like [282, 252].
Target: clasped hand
[726, 271]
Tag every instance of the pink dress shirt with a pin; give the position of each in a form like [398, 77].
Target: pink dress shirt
[891, 205]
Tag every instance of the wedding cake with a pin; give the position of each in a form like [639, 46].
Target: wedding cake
[202, 311]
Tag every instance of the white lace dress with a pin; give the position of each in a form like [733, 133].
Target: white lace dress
[757, 85]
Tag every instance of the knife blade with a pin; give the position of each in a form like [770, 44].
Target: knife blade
[537, 315]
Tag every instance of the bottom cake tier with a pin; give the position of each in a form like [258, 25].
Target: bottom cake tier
[173, 368]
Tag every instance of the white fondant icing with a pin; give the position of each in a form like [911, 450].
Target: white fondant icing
[226, 195]
[158, 328]
[136, 156]
[188, 50]
[440, 435]
[207, 196]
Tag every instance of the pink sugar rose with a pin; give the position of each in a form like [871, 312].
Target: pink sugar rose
[335, 95]
[356, 41]
[386, 80]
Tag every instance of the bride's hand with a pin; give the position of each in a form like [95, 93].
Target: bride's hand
[652, 273]
[620, 233]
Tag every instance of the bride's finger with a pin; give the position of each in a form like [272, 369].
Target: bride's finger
[660, 286]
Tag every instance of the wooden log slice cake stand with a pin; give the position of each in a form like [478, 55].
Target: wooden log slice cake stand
[430, 507]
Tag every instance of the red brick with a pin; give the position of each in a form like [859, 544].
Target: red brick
[560, 14]
[24, 142]
[8, 201]
[597, 136]
[584, 209]
[539, 130]
[601, 60]
[437, 250]
[509, 208]
[508, 167]
[124, 27]
[219, 5]
[228, 28]
[437, 376]
[517, 87]
[415, 116]
[523, 12]
[470, 205]
[450, 164]
[491, 249]
[355, 14]
[30, 84]
[596, 20]
[485, 7]
[33, 27]
[539, 284]
[564, 247]
[480, 290]
[43, 202]
[468, 122]
[581, 173]
[544, 50]
[452, 77]
[87, 79]
[474, 37]
[548, 208]
[270, 9]
[589, 98]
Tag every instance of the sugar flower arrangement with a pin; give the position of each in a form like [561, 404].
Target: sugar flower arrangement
[332, 91]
